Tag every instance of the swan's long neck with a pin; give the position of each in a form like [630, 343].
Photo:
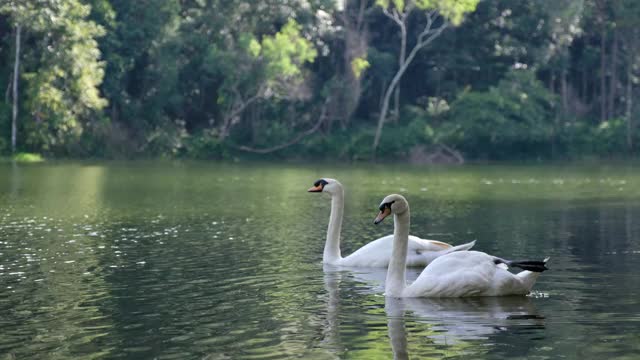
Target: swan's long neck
[332, 245]
[396, 279]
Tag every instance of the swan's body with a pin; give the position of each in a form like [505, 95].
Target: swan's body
[458, 274]
[420, 252]
[378, 252]
[471, 273]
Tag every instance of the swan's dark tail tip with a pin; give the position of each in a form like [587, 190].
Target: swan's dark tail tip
[531, 265]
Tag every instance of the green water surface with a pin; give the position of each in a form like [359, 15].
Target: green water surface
[163, 260]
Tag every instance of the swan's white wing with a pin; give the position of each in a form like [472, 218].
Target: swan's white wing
[374, 254]
[419, 253]
[466, 273]
[422, 252]
[427, 245]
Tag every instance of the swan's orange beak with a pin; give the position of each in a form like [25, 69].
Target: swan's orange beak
[383, 214]
[315, 188]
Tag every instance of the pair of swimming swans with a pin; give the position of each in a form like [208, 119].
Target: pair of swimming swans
[376, 253]
[449, 272]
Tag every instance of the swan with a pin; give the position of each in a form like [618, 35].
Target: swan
[376, 253]
[457, 274]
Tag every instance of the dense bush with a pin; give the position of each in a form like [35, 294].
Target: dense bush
[5, 127]
[510, 120]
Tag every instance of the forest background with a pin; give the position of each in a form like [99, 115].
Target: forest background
[398, 80]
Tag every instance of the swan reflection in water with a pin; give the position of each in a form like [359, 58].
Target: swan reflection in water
[454, 320]
[450, 320]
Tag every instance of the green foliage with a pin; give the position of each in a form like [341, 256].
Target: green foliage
[5, 127]
[205, 145]
[287, 51]
[437, 106]
[352, 145]
[253, 70]
[116, 78]
[579, 139]
[254, 48]
[166, 140]
[358, 66]
[28, 158]
[398, 4]
[62, 71]
[509, 120]
[453, 10]
[610, 137]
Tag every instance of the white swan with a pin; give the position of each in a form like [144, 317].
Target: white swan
[458, 274]
[376, 253]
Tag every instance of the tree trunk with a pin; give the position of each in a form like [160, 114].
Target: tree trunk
[387, 97]
[565, 92]
[629, 97]
[554, 130]
[594, 94]
[585, 94]
[629, 107]
[355, 43]
[403, 55]
[16, 68]
[614, 78]
[422, 42]
[603, 76]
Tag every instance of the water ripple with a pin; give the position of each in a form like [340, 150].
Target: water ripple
[207, 264]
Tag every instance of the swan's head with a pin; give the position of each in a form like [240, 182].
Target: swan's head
[392, 204]
[327, 185]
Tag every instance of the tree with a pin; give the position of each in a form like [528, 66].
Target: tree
[627, 14]
[19, 12]
[270, 68]
[355, 38]
[439, 15]
[16, 75]
[62, 69]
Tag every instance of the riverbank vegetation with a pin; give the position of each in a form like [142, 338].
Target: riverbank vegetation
[411, 80]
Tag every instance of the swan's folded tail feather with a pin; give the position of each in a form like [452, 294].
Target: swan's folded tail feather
[462, 247]
[531, 265]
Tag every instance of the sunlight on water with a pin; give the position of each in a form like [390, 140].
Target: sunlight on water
[215, 261]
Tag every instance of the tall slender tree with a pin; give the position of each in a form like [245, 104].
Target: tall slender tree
[439, 15]
[16, 76]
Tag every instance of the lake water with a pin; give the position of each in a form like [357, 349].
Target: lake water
[147, 260]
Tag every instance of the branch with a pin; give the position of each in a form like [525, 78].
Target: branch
[456, 154]
[293, 141]
[393, 16]
[227, 121]
[407, 9]
[245, 103]
[431, 33]
[422, 42]
[360, 21]
[427, 27]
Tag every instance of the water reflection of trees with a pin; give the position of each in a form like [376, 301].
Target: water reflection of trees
[55, 308]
